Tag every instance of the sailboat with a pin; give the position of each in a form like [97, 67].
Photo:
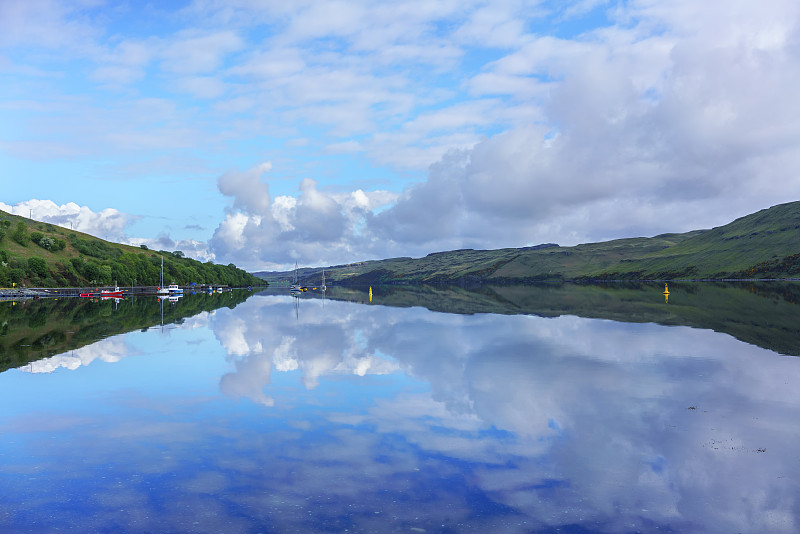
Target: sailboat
[323, 287]
[296, 287]
[161, 290]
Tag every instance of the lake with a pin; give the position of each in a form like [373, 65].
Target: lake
[554, 408]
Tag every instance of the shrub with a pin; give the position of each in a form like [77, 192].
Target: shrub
[36, 237]
[47, 243]
[38, 267]
[20, 234]
[16, 274]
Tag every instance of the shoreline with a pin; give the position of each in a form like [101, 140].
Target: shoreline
[22, 293]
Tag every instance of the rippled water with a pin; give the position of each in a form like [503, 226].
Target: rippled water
[286, 415]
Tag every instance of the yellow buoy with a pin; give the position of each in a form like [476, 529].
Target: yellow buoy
[370, 293]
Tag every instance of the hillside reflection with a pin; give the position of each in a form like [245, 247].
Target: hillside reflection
[761, 313]
[35, 329]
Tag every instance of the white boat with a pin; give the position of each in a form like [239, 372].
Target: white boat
[323, 287]
[174, 289]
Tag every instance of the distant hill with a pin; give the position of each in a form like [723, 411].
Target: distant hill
[762, 245]
[39, 254]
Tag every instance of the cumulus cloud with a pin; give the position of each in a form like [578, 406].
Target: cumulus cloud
[641, 128]
[262, 231]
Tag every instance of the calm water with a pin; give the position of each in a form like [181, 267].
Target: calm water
[283, 415]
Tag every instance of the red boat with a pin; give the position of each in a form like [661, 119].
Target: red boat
[109, 293]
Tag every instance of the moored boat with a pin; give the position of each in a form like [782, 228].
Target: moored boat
[104, 293]
[174, 289]
[296, 287]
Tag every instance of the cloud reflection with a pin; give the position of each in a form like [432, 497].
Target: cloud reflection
[314, 345]
[107, 350]
[561, 417]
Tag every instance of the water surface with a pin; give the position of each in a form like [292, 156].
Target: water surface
[278, 414]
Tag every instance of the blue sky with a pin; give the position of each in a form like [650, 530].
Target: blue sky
[262, 134]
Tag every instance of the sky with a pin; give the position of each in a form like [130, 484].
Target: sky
[265, 133]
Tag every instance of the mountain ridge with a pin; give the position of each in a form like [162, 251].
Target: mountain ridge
[761, 245]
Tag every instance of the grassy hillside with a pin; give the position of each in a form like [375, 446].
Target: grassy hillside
[38, 254]
[765, 244]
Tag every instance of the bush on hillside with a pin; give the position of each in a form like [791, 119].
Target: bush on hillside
[38, 267]
[20, 234]
[16, 274]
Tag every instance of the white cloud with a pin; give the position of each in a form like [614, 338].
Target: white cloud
[46, 23]
[262, 231]
[205, 87]
[193, 53]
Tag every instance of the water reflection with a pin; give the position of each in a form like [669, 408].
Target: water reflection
[639, 424]
[378, 418]
[33, 329]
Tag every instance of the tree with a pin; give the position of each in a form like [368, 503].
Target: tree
[178, 254]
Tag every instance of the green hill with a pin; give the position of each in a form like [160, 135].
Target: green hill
[765, 244]
[39, 254]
